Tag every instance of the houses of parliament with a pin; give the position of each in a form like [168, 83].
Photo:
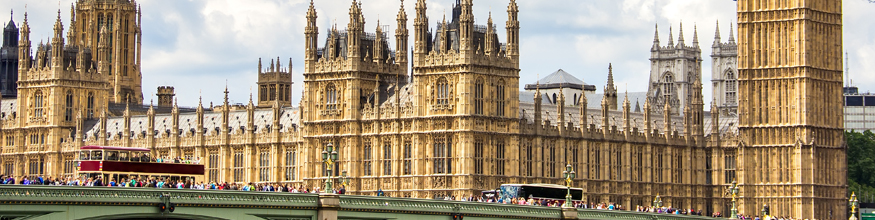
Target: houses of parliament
[447, 117]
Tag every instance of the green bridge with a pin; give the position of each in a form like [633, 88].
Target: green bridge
[63, 202]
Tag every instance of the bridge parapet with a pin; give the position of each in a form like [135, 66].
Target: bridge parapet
[67, 202]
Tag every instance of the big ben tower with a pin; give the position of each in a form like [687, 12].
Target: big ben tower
[792, 155]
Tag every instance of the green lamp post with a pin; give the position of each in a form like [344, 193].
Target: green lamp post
[733, 189]
[329, 157]
[344, 179]
[569, 176]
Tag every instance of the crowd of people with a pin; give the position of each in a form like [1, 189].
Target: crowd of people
[159, 182]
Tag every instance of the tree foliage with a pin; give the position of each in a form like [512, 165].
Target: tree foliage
[861, 162]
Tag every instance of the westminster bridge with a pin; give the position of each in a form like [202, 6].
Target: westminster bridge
[67, 202]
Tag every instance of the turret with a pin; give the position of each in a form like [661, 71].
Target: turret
[58, 43]
[538, 105]
[610, 90]
[401, 37]
[560, 111]
[466, 28]
[666, 118]
[24, 58]
[226, 109]
[489, 36]
[513, 32]
[103, 52]
[715, 120]
[583, 104]
[355, 30]
[627, 106]
[311, 34]
[378, 44]
[421, 35]
[648, 126]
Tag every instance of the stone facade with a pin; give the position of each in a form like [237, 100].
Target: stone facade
[673, 70]
[792, 150]
[724, 73]
[456, 126]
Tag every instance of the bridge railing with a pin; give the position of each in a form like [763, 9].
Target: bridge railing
[71, 195]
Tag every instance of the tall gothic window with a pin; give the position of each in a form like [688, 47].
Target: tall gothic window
[36, 166]
[387, 158]
[68, 111]
[668, 84]
[729, 167]
[408, 158]
[731, 84]
[213, 166]
[90, 106]
[38, 104]
[499, 98]
[499, 156]
[660, 158]
[291, 164]
[443, 91]
[262, 95]
[529, 157]
[264, 166]
[331, 97]
[478, 156]
[238, 166]
[367, 159]
[478, 97]
[442, 155]
[69, 165]
[9, 167]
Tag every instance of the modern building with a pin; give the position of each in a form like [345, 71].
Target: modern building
[859, 110]
[452, 120]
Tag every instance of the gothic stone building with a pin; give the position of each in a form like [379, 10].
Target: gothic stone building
[456, 124]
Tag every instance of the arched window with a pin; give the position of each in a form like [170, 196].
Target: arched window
[478, 96]
[667, 84]
[38, 104]
[499, 98]
[68, 110]
[731, 84]
[90, 106]
[330, 97]
[443, 91]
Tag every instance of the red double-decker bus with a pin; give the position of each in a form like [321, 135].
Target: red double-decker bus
[128, 162]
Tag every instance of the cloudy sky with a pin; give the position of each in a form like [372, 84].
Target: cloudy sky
[199, 45]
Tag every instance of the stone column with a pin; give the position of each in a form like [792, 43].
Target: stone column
[329, 203]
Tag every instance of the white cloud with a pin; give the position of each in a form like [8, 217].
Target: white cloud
[197, 45]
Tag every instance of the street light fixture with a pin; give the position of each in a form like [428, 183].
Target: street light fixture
[657, 202]
[344, 180]
[569, 176]
[329, 157]
[853, 203]
[733, 214]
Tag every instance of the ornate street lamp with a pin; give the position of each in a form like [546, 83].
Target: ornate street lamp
[329, 157]
[344, 180]
[853, 203]
[733, 214]
[657, 202]
[569, 175]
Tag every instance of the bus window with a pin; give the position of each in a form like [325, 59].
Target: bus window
[112, 155]
[84, 155]
[135, 156]
[123, 156]
[97, 155]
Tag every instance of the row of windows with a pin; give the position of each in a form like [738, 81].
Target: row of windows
[479, 98]
[39, 104]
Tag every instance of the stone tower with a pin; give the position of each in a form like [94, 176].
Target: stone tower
[56, 88]
[165, 96]
[673, 68]
[122, 21]
[724, 72]
[274, 84]
[9, 61]
[792, 154]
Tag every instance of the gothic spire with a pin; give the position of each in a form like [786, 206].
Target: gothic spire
[670, 37]
[656, 35]
[681, 36]
[717, 34]
[695, 36]
[731, 34]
